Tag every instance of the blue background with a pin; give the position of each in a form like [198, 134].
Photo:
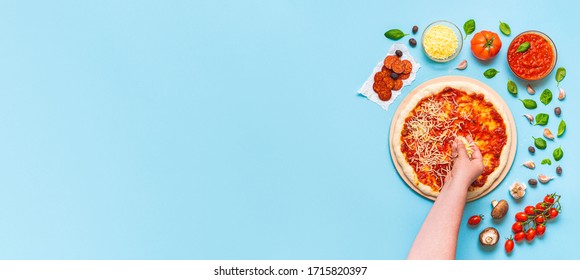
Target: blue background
[233, 130]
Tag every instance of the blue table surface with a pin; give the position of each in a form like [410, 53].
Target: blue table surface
[233, 129]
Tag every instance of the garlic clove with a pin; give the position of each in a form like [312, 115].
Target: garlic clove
[562, 94]
[548, 134]
[517, 190]
[529, 164]
[530, 118]
[544, 179]
[531, 89]
[462, 65]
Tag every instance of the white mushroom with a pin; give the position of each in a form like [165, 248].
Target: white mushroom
[489, 236]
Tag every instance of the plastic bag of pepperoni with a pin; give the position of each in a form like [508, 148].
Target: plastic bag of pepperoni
[396, 70]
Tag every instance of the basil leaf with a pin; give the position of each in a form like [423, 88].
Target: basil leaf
[546, 96]
[547, 161]
[395, 34]
[512, 87]
[561, 128]
[505, 28]
[560, 74]
[490, 73]
[542, 119]
[529, 103]
[540, 143]
[523, 47]
[558, 153]
[469, 27]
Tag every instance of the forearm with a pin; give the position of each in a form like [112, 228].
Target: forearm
[437, 238]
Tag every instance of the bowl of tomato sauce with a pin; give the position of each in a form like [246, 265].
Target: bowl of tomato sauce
[532, 55]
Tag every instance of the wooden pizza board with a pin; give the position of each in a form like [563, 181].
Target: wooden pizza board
[510, 122]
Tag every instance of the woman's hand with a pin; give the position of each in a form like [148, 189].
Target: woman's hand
[465, 170]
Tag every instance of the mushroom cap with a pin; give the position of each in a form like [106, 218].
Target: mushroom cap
[489, 236]
[500, 209]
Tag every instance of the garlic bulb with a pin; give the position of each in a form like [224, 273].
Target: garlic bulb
[517, 190]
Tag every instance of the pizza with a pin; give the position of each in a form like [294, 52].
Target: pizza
[438, 114]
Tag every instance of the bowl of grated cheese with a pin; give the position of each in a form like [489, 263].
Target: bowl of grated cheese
[442, 41]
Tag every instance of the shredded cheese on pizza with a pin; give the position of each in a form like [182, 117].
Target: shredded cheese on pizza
[426, 143]
[437, 120]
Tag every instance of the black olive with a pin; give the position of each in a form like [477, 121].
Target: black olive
[399, 53]
[531, 149]
[532, 182]
[412, 42]
[394, 76]
[559, 170]
[557, 111]
[415, 29]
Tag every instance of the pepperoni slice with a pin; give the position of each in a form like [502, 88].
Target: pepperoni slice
[404, 76]
[390, 60]
[398, 67]
[408, 67]
[379, 76]
[386, 71]
[378, 86]
[398, 84]
[385, 95]
[389, 82]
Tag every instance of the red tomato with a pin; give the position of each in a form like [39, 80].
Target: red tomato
[521, 217]
[474, 220]
[549, 199]
[485, 45]
[540, 219]
[518, 237]
[517, 227]
[530, 210]
[553, 213]
[530, 234]
[540, 207]
[509, 245]
[540, 230]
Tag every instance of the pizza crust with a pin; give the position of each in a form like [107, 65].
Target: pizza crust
[408, 170]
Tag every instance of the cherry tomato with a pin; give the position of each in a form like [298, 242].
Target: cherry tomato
[521, 217]
[553, 213]
[530, 210]
[509, 245]
[540, 207]
[540, 230]
[540, 219]
[485, 45]
[518, 237]
[530, 234]
[517, 227]
[549, 199]
[474, 220]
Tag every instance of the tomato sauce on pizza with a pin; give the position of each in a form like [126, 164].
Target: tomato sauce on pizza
[437, 120]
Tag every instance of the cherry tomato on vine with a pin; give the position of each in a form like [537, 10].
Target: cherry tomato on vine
[518, 237]
[521, 217]
[540, 230]
[553, 213]
[517, 227]
[530, 210]
[540, 219]
[549, 199]
[474, 220]
[509, 245]
[530, 234]
[540, 207]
